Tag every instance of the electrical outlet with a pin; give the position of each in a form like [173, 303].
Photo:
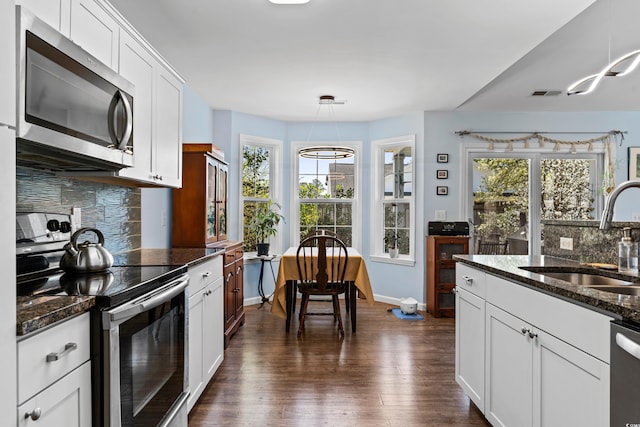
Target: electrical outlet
[441, 215]
[566, 243]
[76, 218]
[635, 216]
[163, 218]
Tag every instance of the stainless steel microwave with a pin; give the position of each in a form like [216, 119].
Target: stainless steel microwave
[74, 112]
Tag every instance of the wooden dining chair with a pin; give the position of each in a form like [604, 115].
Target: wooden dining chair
[322, 262]
[492, 248]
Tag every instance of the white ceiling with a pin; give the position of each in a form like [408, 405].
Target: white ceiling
[392, 57]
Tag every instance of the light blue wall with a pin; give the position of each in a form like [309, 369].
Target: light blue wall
[385, 277]
[197, 120]
[435, 133]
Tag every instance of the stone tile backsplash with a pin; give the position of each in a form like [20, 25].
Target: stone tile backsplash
[590, 244]
[112, 209]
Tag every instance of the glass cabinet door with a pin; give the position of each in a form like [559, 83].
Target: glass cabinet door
[222, 203]
[212, 189]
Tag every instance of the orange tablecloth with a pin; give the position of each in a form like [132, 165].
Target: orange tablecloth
[288, 270]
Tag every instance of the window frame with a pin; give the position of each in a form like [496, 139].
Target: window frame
[471, 150]
[356, 212]
[275, 148]
[376, 244]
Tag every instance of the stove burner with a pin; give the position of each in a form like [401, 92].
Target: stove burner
[111, 288]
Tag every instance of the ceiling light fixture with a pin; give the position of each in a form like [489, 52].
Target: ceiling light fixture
[589, 83]
[289, 1]
[326, 152]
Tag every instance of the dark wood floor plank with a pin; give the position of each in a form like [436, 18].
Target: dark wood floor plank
[391, 372]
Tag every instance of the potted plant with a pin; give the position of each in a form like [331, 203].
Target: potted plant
[265, 225]
[391, 240]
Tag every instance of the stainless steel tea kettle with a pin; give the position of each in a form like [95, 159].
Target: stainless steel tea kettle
[86, 257]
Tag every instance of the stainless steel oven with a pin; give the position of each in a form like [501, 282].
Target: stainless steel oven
[145, 359]
[74, 112]
[139, 335]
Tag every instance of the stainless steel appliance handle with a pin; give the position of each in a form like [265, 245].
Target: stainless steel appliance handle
[630, 346]
[148, 301]
[121, 143]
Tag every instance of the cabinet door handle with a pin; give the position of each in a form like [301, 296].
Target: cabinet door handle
[468, 280]
[34, 415]
[454, 290]
[532, 334]
[68, 348]
[524, 331]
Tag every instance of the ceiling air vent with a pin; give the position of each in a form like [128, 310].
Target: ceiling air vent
[546, 93]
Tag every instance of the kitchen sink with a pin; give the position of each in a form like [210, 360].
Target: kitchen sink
[578, 277]
[586, 279]
[625, 290]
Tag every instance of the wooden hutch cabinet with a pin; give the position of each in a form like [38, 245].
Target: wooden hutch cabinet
[200, 206]
[441, 273]
[200, 219]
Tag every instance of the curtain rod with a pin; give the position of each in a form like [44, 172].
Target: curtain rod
[467, 132]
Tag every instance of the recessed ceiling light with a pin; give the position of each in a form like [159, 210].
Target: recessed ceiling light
[289, 1]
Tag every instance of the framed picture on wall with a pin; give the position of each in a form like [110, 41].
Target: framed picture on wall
[442, 158]
[442, 190]
[442, 174]
[634, 163]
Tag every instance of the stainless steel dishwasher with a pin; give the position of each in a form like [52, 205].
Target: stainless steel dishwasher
[625, 374]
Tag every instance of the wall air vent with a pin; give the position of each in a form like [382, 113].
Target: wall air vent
[546, 92]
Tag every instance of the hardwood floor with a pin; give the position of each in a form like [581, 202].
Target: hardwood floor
[391, 372]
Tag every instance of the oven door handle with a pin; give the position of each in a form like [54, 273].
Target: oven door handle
[628, 345]
[147, 302]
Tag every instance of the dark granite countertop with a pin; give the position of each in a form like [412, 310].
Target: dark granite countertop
[172, 256]
[508, 266]
[37, 312]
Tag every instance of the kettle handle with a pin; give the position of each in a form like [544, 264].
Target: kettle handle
[78, 232]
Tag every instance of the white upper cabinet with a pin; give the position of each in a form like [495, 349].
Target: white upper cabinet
[157, 132]
[167, 156]
[93, 29]
[56, 13]
[137, 65]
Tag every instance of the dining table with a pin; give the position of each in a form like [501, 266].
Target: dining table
[284, 298]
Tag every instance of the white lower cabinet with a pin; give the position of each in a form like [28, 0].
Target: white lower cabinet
[546, 361]
[470, 345]
[206, 329]
[509, 362]
[66, 402]
[54, 376]
[570, 387]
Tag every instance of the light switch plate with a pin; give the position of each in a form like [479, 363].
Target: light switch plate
[441, 215]
[566, 243]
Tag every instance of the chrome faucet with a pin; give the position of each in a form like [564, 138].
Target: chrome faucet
[607, 213]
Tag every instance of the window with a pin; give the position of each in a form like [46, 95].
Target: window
[393, 207]
[327, 194]
[500, 193]
[261, 182]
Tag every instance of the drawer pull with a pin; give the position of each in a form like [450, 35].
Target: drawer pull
[206, 274]
[34, 415]
[468, 280]
[68, 348]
